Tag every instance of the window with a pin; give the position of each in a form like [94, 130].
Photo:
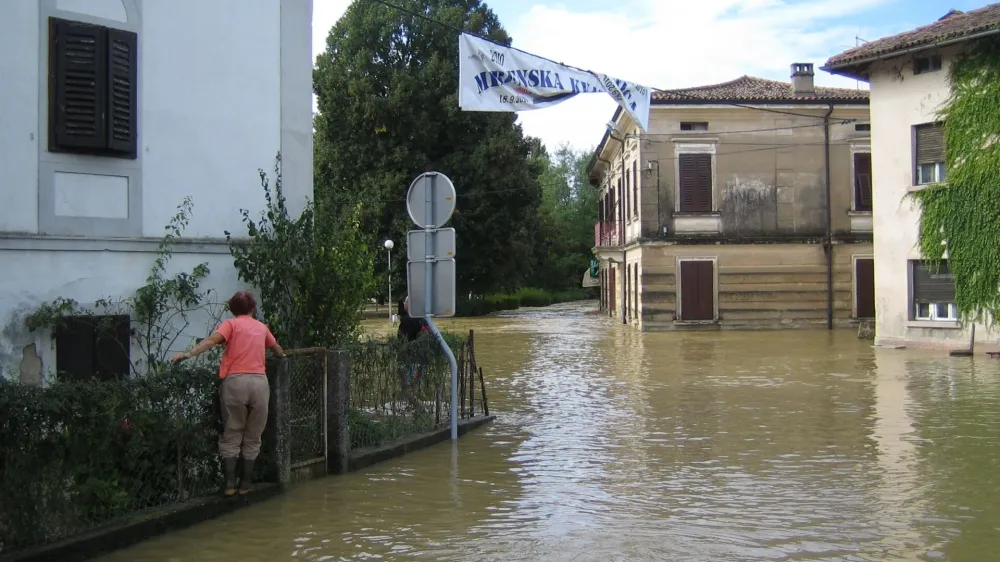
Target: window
[930, 151]
[694, 126]
[635, 189]
[628, 194]
[863, 181]
[922, 65]
[695, 189]
[697, 290]
[867, 127]
[92, 89]
[93, 347]
[933, 291]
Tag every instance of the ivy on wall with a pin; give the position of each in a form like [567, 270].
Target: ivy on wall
[961, 216]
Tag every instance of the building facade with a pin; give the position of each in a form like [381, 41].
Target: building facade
[113, 112]
[908, 74]
[746, 205]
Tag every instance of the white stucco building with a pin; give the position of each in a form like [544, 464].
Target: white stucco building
[111, 113]
[908, 74]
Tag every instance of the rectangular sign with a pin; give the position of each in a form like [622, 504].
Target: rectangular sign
[444, 244]
[443, 282]
[497, 78]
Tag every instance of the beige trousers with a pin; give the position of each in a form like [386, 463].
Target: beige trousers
[244, 412]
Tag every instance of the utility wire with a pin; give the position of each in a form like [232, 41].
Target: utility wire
[427, 18]
[552, 185]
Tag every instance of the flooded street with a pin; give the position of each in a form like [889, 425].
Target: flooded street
[616, 445]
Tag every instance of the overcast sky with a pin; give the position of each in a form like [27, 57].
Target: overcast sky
[675, 43]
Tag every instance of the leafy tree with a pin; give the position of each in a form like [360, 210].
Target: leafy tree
[388, 101]
[313, 272]
[567, 215]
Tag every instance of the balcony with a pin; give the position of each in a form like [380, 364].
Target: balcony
[607, 234]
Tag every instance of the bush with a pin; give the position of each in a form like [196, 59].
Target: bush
[534, 297]
[481, 306]
[80, 454]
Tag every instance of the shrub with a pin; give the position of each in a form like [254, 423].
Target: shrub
[534, 297]
[81, 454]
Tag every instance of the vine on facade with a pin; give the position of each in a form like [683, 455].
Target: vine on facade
[159, 312]
[960, 218]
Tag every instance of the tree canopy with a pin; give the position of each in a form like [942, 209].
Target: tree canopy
[388, 111]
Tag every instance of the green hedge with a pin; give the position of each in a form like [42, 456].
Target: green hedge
[79, 455]
[532, 297]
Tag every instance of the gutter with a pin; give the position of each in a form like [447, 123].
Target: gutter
[828, 243]
[894, 54]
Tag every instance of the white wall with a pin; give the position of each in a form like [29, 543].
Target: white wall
[222, 87]
[900, 100]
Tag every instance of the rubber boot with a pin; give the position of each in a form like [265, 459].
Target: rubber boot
[247, 478]
[230, 467]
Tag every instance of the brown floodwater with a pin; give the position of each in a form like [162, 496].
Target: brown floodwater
[615, 445]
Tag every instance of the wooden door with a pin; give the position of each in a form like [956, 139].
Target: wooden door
[697, 290]
[864, 287]
[612, 293]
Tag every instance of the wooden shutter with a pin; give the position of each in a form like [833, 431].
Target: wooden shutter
[122, 80]
[635, 188]
[930, 143]
[863, 181]
[113, 340]
[695, 183]
[933, 282]
[697, 290]
[77, 86]
[75, 349]
[864, 287]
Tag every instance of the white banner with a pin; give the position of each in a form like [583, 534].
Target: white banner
[492, 77]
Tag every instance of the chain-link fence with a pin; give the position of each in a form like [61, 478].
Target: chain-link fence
[76, 456]
[399, 389]
[307, 406]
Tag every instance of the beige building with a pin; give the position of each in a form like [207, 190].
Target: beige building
[747, 204]
[908, 74]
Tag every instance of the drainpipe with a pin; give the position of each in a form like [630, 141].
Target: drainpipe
[828, 245]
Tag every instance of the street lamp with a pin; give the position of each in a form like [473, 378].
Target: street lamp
[388, 248]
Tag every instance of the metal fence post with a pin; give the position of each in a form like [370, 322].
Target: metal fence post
[338, 436]
[278, 420]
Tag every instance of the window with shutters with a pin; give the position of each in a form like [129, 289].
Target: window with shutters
[697, 290]
[933, 291]
[93, 347]
[864, 287]
[92, 89]
[635, 188]
[695, 183]
[929, 151]
[863, 181]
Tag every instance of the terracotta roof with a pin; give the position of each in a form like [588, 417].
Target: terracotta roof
[954, 25]
[759, 90]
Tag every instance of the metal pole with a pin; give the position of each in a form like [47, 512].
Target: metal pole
[428, 299]
[390, 284]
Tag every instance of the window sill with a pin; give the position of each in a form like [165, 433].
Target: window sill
[859, 213]
[682, 214]
[695, 322]
[934, 324]
[920, 187]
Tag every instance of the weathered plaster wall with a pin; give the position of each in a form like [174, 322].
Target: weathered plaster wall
[900, 100]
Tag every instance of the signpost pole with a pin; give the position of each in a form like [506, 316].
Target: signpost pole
[430, 260]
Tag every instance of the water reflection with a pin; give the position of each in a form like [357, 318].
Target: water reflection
[615, 445]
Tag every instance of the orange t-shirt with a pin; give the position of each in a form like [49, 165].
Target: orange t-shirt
[246, 339]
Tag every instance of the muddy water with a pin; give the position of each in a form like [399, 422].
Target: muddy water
[615, 445]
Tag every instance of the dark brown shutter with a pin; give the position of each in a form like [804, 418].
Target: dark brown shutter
[933, 282]
[635, 188]
[864, 287]
[77, 91]
[863, 181]
[75, 349]
[695, 183]
[697, 290]
[930, 143]
[122, 78]
[112, 347]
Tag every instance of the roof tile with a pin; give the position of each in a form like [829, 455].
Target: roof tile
[954, 25]
[760, 90]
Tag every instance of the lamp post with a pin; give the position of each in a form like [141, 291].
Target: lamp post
[388, 248]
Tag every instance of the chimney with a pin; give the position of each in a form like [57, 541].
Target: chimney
[802, 79]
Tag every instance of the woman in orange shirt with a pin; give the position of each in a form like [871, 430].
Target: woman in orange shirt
[245, 392]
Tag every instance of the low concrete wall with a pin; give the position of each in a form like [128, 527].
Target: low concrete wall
[143, 527]
[161, 521]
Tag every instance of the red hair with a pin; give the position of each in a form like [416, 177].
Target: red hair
[242, 303]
